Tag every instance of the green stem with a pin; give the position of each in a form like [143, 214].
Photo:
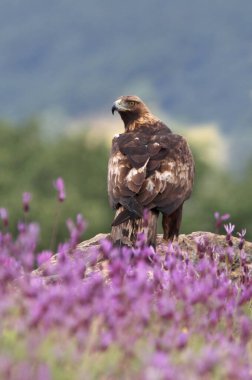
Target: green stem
[55, 227]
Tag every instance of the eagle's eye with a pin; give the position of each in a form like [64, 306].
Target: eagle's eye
[131, 103]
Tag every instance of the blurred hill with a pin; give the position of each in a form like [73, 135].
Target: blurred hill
[192, 59]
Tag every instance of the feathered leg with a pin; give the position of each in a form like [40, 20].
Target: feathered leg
[171, 224]
[126, 232]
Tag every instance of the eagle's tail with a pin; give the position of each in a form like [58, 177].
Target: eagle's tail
[132, 210]
[121, 218]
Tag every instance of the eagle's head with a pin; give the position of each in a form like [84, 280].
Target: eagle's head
[130, 108]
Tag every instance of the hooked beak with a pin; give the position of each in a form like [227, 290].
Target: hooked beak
[114, 108]
[118, 106]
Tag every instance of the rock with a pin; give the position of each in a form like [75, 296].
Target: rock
[187, 243]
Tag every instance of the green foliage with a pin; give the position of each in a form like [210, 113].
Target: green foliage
[220, 190]
[31, 163]
[28, 163]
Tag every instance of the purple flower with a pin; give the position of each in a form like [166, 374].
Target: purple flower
[105, 340]
[229, 230]
[76, 230]
[201, 242]
[182, 340]
[160, 359]
[245, 329]
[219, 219]
[158, 309]
[242, 233]
[21, 227]
[26, 198]
[81, 224]
[60, 187]
[208, 360]
[106, 246]
[43, 372]
[242, 238]
[43, 257]
[230, 254]
[4, 216]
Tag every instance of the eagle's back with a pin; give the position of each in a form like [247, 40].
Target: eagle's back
[151, 167]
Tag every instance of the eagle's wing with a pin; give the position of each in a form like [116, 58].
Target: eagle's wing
[170, 183]
[150, 168]
[124, 178]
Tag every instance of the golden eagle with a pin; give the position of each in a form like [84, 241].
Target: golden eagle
[149, 168]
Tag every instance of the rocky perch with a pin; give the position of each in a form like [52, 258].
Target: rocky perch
[190, 246]
[187, 243]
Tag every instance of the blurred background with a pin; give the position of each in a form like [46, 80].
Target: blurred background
[63, 63]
